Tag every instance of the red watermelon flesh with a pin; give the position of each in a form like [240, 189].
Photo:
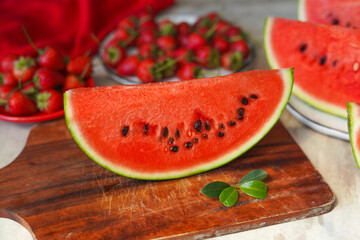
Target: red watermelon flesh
[122, 127]
[325, 59]
[336, 12]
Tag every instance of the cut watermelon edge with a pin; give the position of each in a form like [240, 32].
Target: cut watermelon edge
[353, 127]
[287, 76]
[301, 10]
[297, 90]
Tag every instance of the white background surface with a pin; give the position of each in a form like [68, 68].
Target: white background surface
[331, 157]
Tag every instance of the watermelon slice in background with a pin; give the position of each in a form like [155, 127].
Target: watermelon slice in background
[354, 129]
[325, 58]
[336, 12]
[175, 129]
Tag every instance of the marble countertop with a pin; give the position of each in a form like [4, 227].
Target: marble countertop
[331, 157]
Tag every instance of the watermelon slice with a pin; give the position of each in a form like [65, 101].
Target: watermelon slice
[336, 12]
[175, 129]
[325, 59]
[354, 129]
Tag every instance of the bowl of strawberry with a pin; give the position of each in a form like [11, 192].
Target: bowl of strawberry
[31, 88]
[143, 49]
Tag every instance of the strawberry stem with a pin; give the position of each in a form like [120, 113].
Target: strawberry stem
[169, 64]
[95, 38]
[85, 71]
[30, 40]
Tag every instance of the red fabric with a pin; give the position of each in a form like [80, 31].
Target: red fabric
[64, 24]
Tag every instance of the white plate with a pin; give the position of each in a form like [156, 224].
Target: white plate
[128, 80]
[320, 121]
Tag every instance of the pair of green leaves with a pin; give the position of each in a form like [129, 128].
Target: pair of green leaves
[251, 184]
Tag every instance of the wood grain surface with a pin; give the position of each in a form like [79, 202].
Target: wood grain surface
[63, 194]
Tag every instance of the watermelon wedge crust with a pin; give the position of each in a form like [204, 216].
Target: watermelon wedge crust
[324, 78]
[96, 118]
[354, 129]
[335, 12]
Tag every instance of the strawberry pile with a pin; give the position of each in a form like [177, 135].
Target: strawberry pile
[167, 49]
[35, 85]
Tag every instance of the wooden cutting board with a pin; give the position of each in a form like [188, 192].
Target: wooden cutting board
[63, 194]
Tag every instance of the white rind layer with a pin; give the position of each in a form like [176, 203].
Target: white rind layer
[301, 10]
[354, 127]
[287, 77]
[298, 91]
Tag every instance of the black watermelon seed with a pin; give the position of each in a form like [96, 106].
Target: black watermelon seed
[177, 133]
[334, 63]
[241, 111]
[171, 140]
[244, 101]
[146, 129]
[174, 148]
[207, 125]
[253, 96]
[195, 140]
[188, 145]
[348, 24]
[221, 134]
[232, 123]
[240, 117]
[222, 126]
[303, 47]
[205, 136]
[125, 130]
[335, 21]
[165, 132]
[322, 60]
[197, 125]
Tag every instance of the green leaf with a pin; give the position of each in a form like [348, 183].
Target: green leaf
[257, 174]
[229, 196]
[214, 189]
[255, 188]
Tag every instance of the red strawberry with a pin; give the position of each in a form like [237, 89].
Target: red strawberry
[128, 66]
[213, 16]
[4, 94]
[189, 71]
[166, 27]
[114, 42]
[146, 71]
[183, 28]
[128, 23]
[221, 27]
[113, 55]
[208, 57]
[72, 81]
[20, 105]
[49, 101]
[232, 61]
[220, 43]
[52, 59]
[78, 65]
[8, 79]
[90, 82]
[202, 31]
[203, 22]
[166, 43]
[182, 40]
[7, 64]
[240, 46]
[46, 78]
[233, 32]
[126, 36]
[24, 68]
[146, 36]
[195, 41]
[148, 50]
[148, 24]
[29, 88]
[185, 55]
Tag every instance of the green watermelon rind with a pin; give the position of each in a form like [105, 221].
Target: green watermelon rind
[287, 76]
[298, 91]
[353, 127]
[301, 10]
